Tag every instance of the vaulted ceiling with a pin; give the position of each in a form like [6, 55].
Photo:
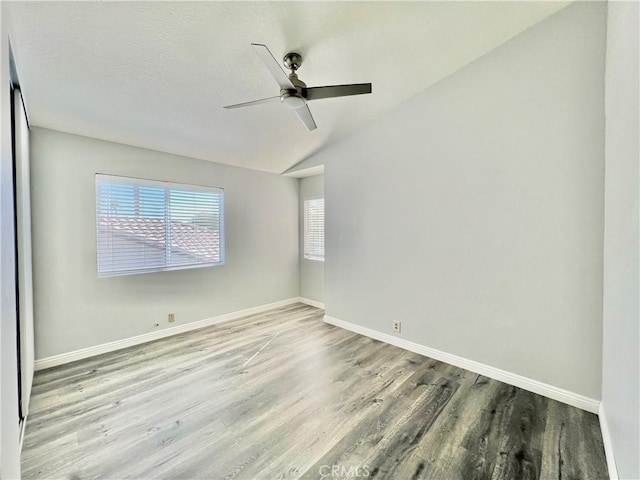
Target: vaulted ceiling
[157, 74]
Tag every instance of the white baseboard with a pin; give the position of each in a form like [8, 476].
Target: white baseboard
[313, 303]
[608, 446]
[546, 390]
[68, 357]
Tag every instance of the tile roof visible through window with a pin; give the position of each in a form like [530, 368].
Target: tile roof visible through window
[186, 238]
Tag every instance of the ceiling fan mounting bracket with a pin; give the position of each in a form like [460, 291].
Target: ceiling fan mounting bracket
[292, 61]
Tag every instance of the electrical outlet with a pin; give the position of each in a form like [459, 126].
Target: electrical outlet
[396, 326]
[172, 317]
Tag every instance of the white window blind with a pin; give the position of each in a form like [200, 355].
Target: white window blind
[147, 226]
[314, 228]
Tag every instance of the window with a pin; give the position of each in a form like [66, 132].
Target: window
[148, 226]
[314, 228]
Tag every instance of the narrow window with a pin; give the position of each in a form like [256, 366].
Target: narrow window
[148, 226]
[314, 228]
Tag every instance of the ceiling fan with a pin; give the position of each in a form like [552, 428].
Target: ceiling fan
[294, 93]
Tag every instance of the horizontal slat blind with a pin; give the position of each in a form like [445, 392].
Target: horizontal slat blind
[314, 228]
[146, 226]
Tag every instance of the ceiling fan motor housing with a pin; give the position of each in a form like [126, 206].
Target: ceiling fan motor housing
[292, 99]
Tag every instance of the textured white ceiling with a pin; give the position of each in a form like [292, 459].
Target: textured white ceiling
[157, 75]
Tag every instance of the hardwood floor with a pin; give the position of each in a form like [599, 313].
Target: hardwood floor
[283, 395]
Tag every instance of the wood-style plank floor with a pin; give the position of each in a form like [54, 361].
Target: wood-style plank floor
[283, 395]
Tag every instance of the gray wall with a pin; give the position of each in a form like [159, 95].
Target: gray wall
[74, 309]
[474, 212]
[311, 271]
[621, 322]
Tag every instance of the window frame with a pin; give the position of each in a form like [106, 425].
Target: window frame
[167, 186]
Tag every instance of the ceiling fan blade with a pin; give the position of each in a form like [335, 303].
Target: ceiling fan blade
[255, 102]
[317, 93]
[305, 115]
[273, 66]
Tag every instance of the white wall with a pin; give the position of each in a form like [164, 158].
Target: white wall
[311, 271]
[474, 212]
[74, 309]
[9, 436]
[621, 322]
